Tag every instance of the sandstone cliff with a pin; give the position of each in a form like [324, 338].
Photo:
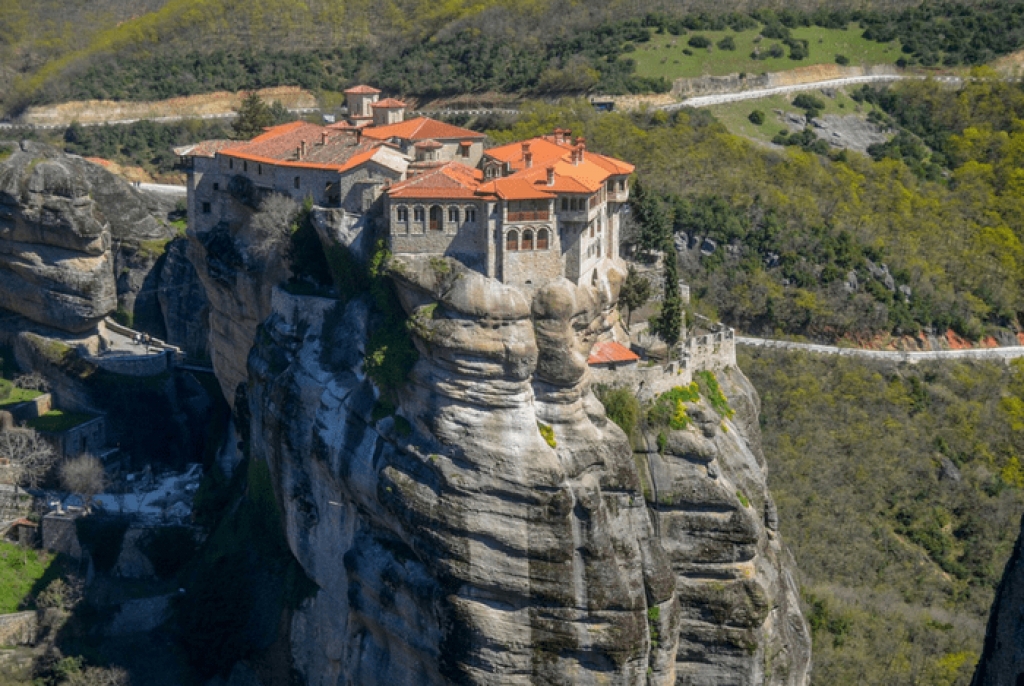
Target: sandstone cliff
[453, 542]
[64, 223]
[1002, 658]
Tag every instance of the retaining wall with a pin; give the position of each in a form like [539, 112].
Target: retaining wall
[18, 628]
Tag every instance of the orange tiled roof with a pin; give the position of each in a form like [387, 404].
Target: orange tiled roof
[388, 102]
[608, 352]
[616, 167]
[362, 89]
[517, 187]
[279, 145]
[452, 180]
[204, 148]
[543, 151]
[420, 128]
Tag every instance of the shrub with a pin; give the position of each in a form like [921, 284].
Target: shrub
[169, 549]
[756, 117]
[808, 102]
[548, 434]
[776, 51]
[842, 60]
[699, 42]
[621, 406]
[102, 536]
[727, 43]
[712, 391]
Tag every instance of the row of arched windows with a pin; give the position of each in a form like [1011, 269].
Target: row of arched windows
[513, 242]
[420, 214]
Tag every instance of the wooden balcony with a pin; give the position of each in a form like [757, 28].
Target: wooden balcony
[533, 216]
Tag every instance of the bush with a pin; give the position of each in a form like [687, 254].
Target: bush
[776, 51]
[756, 117]
[621, 406]
[169, 549]
[102, 536]
[548, 434]
[727, 43]
[842, 60]
[699, 42]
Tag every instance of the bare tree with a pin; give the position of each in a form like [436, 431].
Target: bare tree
[33, 381]
[30, 457]
[85, 476]
[271, 227]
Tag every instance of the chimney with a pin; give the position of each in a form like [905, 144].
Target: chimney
[551, 176]
[527, 155]
[303, 149]
[298, 152]
[323, 138]
[581, 146]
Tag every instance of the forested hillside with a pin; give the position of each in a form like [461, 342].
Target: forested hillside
[899, 491]
[163, 48]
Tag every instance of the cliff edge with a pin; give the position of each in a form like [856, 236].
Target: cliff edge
[487, 523]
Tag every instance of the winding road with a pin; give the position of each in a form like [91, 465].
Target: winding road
[1004, 354]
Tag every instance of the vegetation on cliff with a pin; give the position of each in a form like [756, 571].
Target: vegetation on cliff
[899, 490]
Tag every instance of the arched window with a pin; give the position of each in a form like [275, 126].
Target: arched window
[453, 215]
[542, 239]
[418, 214]
[403, 214]
[512, 241]
[435, 218]
[470, 215]
[527, 240]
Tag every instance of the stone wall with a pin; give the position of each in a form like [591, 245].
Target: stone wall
[18, 628]
[87, 437]
[136, 365]
[710, 85]
[712, 351]
[32, 409]
[60, 535]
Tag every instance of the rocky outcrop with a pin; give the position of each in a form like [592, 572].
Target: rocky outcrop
[1002, 658]
[489, 524]
[62, 221]
[183, 302]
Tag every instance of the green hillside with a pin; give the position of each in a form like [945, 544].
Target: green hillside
[144, 49]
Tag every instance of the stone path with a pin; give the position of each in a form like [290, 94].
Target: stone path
[1005, 354]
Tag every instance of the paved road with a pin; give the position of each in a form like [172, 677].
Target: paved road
[186, 117]
[164, 188]
[1007, 353]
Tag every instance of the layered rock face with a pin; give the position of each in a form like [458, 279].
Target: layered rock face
[183, 303]
[1002, 658]
[460, 540]
[60, 218]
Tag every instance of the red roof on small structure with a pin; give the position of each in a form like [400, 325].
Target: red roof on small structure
[418, 129]
[389, 103]
[361, 89]
[608, 352]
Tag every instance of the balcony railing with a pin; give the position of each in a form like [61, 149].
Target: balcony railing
[534, 216]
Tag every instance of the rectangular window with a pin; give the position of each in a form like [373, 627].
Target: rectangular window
[259, 169]
[231, 163]
[453, 215]
[297, 182]
[216, 186]
[565, 204]
[470, 214]
[403, 214]
[206, 208]
[622, 184]
[464, 150]
[245, 166]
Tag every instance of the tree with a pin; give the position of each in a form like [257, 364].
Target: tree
[651, 218]
[85, 476]
[29, 455]
[636, 291]
[254, 115]
[272, 226]
[668, 324]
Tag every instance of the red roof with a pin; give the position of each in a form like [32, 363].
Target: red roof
[451, 180]
[608, 352]
[204, 148]
[280, 145]
[388, 102]
[368, 90]
[418, 129]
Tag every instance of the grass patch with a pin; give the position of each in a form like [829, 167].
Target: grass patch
[11, 395]
[663, 55]
[669, 409]
[736, 115]
[20, 571]
[712, 391]
[56, 421]
[154, 248]
[5, 152]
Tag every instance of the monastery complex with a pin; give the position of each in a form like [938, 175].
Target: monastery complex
[522, 213]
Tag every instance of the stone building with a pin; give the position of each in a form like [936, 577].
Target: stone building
[533, 210]
[523, 213]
